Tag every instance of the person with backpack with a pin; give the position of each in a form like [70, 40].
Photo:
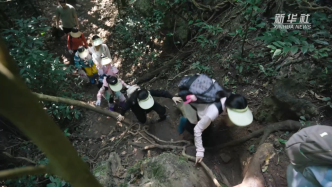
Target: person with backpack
[83, 60]
[112, 86]
[75, 39]
[141, 102]
[310, 154]
[205, 98]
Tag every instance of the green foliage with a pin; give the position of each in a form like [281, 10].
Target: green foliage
[158, 171]
[282, 140]
[211, 30]
[137, 32]
[100, 169]
[26, 181]
[66, 132]
[44, 161]
[282, 42]
[268, 71]
[201, 68]
[42, 72]
[252, 149]
[56, 182]
[135, 169]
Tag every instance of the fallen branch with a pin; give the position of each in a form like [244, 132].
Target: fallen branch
[20, 172]
[19, 158]
[103, 149]
[147, 147]
[180, 74]
[79, 104]
[288, 125]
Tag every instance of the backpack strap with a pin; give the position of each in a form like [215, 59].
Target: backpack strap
[209, 88]
[219, 107]
[191, 80]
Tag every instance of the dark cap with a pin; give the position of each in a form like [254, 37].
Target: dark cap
[81, 49]
[74, 30]
[112, 80]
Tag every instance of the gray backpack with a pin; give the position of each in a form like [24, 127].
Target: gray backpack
[203, 87]
[311, 146]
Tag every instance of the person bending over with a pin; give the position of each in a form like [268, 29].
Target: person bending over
[113, 86]
[233, 106]
[141, 102]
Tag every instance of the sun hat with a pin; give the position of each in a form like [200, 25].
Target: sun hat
[240, 117]
[97, 41]
[132, 89]
[82, 52]
[105, 60]
[115, 84]
[147, 102]
[75, 33]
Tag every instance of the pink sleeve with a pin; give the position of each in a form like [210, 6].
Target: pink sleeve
[115, 70]
[101, 93]
[198, 130]
[124, 84]
[104, 82]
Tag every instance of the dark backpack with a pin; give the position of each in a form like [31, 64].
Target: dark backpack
[203, 87]
[71, 40]
[311, 146]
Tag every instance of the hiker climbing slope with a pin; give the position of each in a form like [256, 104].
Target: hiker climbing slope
[204, 97]
[310, 153]
[141, 102]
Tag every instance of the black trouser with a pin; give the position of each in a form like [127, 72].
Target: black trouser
[141, 113]
[205, 135]
[67, 30]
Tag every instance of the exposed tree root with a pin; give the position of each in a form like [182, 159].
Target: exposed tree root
[155, 145]
[115, 145]
[216, 7]
[156, 72]
[310, 7]
[253, 176]
[288, 125]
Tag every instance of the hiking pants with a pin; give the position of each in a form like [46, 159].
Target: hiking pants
[141, 113]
